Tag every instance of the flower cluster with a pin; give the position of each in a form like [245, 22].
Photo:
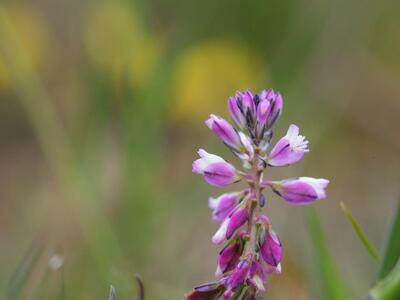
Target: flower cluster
[252, 249]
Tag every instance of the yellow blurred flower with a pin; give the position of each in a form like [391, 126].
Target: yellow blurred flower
[207, 74]
[111, 33]
[29, 32]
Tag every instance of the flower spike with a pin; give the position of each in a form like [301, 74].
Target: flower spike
[252, 249]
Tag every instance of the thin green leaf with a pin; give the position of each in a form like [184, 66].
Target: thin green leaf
[359, 232]
[140, 288]
[332, 284]
[391, 250]
[61, 293]
[389, 287]
[111, 295]
[25, 269]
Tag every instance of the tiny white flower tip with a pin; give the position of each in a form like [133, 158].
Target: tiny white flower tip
[219, 236]
[212, 202]
[56, 262]
[202, 152]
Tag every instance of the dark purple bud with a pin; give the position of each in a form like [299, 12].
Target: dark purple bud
[207, 291]
[261, 200]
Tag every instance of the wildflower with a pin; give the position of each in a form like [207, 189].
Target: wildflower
[236, 219]
[302, 190]
[289, 149]
[252, 248]
[225, 132]
[223, 205]
[215, 169]
[229, 256]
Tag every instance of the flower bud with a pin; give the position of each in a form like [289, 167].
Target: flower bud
[235, 109]
[257, 276]
[223, 205]
[206, 291]
[268, 242]
[224, 131]
[268, 114]
[271, 248]
[215, 169]
[247, 100]
[239, 274]
[289, 149]
[263, 113]
[237, 219]
[228, 227]
[229, 256]
[299, 191]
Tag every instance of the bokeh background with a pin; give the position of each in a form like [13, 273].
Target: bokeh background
[102, 109]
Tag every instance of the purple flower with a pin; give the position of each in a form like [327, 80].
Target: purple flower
[289, 149]
[206, 291]
[252, 249]
[257, 276]
[228, 227]
[302, 190]
[268, 242]
[263, 114]
[247, 99]
[239, 274]
[236, 110]
[229, 256]
[225, 132]
[271, 248]
[276, 104]
[223, 205]
[215, 169]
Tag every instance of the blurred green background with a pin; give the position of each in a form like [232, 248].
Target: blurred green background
[102, 109]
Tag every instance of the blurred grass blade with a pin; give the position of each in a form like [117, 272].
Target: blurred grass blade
[359, 232]
[61, 294]
[389, 287]
[332, 284]
[111, 295]
[391, 249]
[25, 269]
[140, 288]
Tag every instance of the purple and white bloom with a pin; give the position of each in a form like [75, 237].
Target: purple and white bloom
[289, 149]
[225, 132]
[252, 249]
[239, 274]
[223, 205]
[229, 256]
[220, 235]
[215, 169]
[235, 109]
[271, 248]
[228, 227]
[299, 191]
[257, 276]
